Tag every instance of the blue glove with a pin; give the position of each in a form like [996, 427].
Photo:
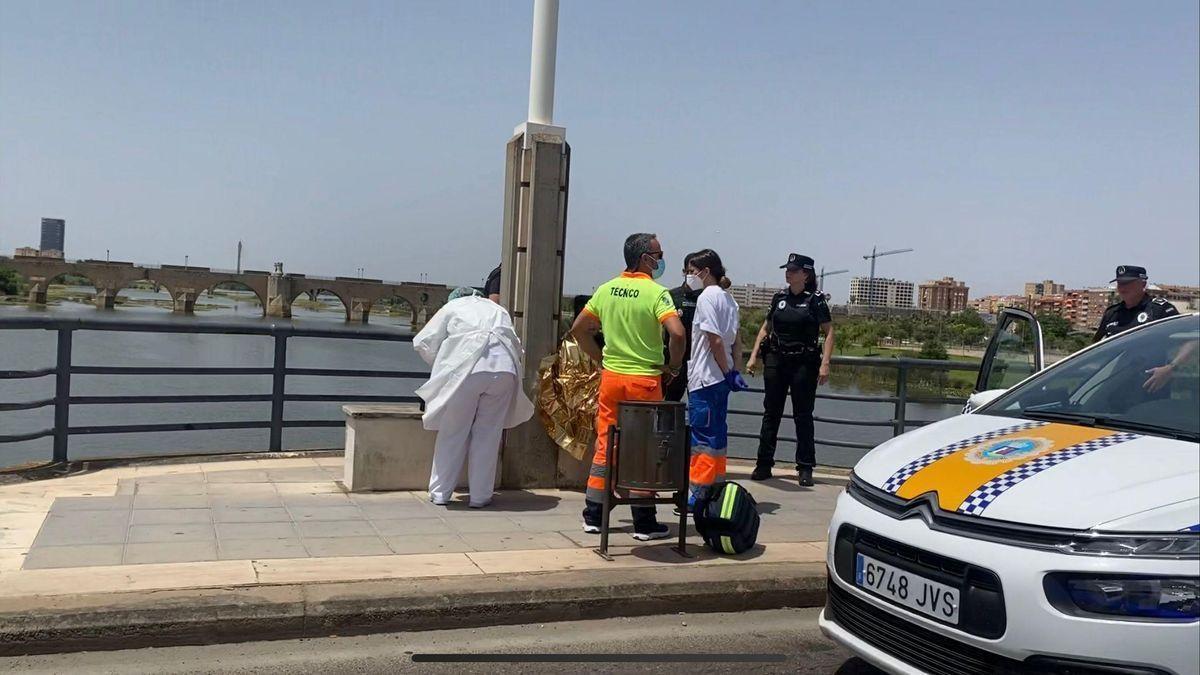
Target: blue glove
[735, 381]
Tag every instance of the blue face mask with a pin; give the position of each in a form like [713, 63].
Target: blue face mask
[659, 269]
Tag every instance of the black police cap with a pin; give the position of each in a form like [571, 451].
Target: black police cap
[796, 261]
[1130, 273]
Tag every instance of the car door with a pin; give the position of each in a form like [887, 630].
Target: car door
[1014, 352]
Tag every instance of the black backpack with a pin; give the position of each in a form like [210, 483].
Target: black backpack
[727, 519]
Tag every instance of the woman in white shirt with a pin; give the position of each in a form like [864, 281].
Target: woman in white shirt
[473, 394]
[713, 370]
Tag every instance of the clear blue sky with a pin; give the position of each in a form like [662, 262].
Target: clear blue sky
[1004, 141]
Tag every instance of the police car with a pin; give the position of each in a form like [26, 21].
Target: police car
[1054, 528]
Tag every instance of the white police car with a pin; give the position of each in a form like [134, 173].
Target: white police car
[1055, 528]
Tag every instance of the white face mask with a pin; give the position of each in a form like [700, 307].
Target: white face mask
[693, 282]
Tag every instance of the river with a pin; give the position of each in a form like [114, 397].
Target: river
[36, 349]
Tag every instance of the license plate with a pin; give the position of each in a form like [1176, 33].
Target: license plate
[913, 591]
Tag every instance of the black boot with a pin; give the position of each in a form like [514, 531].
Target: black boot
[761, 473]
[806, 479]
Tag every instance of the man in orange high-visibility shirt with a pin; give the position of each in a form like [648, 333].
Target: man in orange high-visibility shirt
[633, 310]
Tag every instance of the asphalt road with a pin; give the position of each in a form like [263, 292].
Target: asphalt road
[789, 636]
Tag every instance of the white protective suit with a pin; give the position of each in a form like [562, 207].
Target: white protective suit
[473, 393]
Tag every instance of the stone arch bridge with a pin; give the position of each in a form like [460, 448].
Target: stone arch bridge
[275, 291]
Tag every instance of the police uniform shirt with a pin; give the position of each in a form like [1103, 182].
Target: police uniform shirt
[685, 303]
[492, 286]
[1118, 317]
[796, 320]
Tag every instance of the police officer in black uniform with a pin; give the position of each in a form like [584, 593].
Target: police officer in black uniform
[491, 287]
[685, 298]
[1136, 306]
[793, 361]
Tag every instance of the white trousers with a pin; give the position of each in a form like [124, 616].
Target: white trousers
[471, 427]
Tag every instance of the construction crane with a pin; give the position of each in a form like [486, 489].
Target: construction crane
[871, 282]
[823, 274]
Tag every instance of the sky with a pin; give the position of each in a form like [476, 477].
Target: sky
[1004, 141]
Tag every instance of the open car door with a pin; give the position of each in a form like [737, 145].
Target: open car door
[1014, 352]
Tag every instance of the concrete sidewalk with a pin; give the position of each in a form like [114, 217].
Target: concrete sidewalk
[201, 551]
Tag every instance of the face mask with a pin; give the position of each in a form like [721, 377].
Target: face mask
[659, 269]
[693, 282]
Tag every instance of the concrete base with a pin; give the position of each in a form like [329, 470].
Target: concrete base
[388, 448]
[106, 298]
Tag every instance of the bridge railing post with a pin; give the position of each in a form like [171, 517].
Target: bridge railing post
[279, 368]
[62, 395]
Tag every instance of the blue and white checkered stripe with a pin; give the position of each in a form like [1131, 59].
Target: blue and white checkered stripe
[984, 495]
[908, 470]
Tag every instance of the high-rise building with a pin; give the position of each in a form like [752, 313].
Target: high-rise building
[54, 232]
[1084, 307]
[1037, 289]
[943, 295]
[751, 296]
[879, 292]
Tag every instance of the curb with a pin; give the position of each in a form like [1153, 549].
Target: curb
[43, 625]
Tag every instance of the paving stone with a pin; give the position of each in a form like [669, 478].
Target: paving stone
[381, 511]
[171, 516]
[326, 486]
[178, 552]
[251, 549]
[170, 502]
[252, 515]
[303, 513]
[245, 501]
[43, 557]
[316, 500]
[171, 489]
[61, 531]
[515, 541]
[531, 523]
[481, 523]
[345, 546]
[298, 475]
[427, 543]
[237, 476]
[335, 528]
[118, 503]
[171, 478]
[411, 526]
[249, 490]
[144, 534]
[255, 531]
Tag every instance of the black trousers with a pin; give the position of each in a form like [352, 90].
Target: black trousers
[797, 376]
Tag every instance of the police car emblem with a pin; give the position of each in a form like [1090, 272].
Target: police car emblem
[1142, 317]
[1008, 450]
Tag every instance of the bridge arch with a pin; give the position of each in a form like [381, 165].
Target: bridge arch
[235, 284]
[316, 291]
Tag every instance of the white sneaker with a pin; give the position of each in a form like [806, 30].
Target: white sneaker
[659, 531]
[591, 529]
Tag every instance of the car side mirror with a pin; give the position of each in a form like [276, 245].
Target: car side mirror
[981, 398]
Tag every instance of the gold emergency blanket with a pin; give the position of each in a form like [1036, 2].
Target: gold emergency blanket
[568, 386]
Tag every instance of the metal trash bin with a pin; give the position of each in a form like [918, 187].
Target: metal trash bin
[649, 450]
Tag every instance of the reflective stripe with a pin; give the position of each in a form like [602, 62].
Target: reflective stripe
[594, 494]
[598, 470]
[727, 545]
[711, 452]
[727, 502]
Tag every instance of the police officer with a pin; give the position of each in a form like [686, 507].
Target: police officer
[793, 362]
[684, 296]
[491, 287]
[1135, 308]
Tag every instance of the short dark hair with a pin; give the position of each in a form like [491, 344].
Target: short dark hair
[636, 246]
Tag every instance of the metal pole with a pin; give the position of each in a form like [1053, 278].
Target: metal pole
[62, 395]
[901, 399]
[277, 383]
[871, 283]
[239, 258]
[541, 67]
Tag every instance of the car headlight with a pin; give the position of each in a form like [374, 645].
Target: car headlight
[1126, 596]
[1169, 545]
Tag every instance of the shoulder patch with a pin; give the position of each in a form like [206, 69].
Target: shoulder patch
[1159, 301]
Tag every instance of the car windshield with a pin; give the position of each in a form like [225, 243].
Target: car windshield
[1146, 381]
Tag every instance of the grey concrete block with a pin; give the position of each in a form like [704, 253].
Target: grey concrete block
[255, 531]
[44, 557]
[145, 534]
[117, 503]
[346, 546]
[254, 549]
[177, 552]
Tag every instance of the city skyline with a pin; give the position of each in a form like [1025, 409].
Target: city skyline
[179, 130]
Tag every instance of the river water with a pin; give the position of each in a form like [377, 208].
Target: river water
[36, 349]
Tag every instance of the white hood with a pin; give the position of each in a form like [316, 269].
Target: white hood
[1049, 474]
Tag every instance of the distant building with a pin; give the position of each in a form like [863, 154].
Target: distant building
[992, 304]
[881, 292]
[54, 232]
[1185, 298]
[750, 296]
[1084, 307]
[1037, 289]
[26, 252]
[944, 295]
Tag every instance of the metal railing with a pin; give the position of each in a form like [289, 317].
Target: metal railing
[64, 368]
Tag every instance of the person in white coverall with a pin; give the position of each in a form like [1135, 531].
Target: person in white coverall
[473, 394]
